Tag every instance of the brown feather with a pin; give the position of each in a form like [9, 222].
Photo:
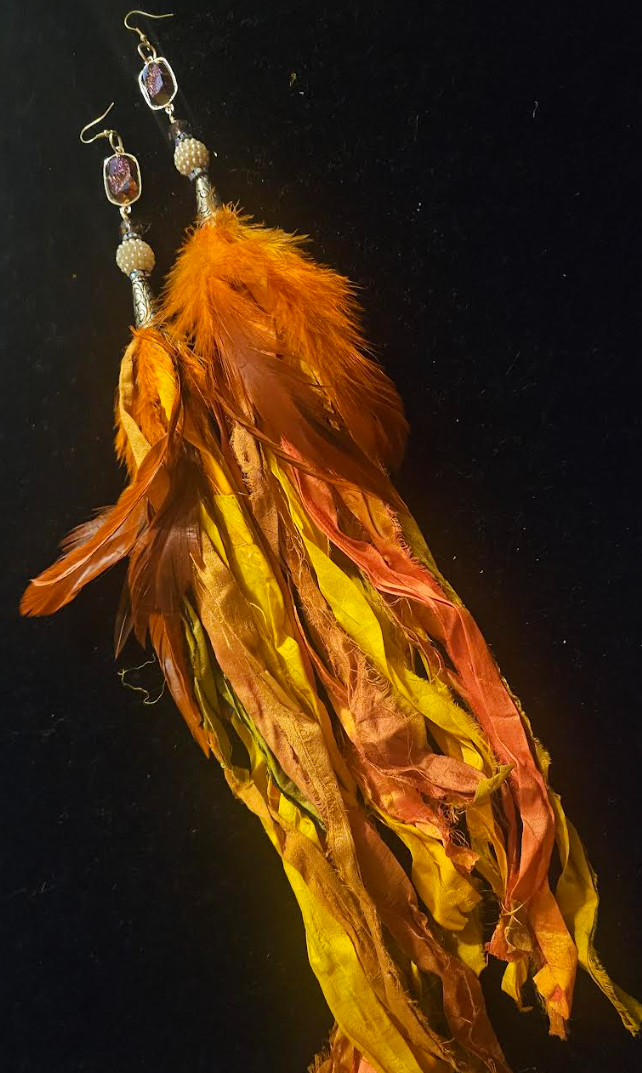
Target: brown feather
[169, 644]
[98, 544]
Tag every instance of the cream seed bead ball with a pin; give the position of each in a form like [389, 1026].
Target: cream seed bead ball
[190, 154]
[135, 255]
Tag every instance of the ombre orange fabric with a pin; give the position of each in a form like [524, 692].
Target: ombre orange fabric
[315, 650]
[477, 681]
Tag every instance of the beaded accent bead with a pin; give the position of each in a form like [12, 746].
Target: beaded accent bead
[133, 227]
[135, 255]
[189, 155]
[179, 129]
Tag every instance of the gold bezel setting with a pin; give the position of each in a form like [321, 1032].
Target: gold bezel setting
[125, 199]
[161, 62]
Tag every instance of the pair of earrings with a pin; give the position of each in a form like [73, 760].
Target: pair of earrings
[122, 177]
[314, 648]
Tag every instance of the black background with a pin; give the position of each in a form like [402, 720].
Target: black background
[476, 169]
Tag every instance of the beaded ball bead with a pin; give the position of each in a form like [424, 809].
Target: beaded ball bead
[190, 154]
[135, 255]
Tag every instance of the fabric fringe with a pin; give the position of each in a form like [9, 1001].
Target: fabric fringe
[315, 650]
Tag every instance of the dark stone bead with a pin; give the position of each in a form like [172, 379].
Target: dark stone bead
[178, 130]
[159, 83]
[134, 227]
[123, 178]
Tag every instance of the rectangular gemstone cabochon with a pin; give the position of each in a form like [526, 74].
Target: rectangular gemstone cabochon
[122, 179]
[158, 83]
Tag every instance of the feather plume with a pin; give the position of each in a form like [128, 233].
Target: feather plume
[278, 336]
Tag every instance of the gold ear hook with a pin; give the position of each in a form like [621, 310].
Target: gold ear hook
[113, 135]
[146, 50]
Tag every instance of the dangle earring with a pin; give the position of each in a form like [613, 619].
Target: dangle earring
[314, 647]
[158, 85]
[123, 187]
[149, 423]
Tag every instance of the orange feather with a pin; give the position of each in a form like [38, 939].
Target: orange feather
[266, 319]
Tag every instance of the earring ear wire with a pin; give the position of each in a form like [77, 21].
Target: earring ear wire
[114, 137]
[146, 50]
